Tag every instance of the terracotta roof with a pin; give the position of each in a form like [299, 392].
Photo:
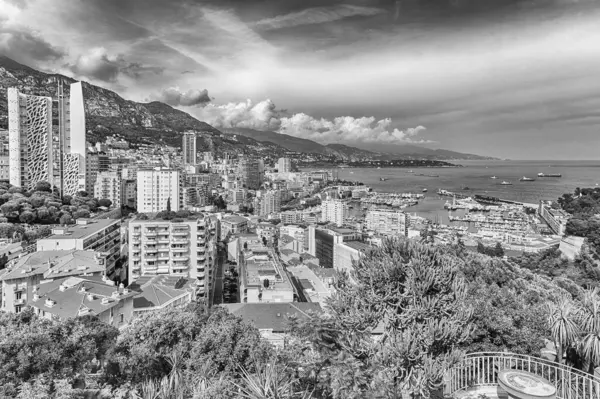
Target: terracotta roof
[155, 291]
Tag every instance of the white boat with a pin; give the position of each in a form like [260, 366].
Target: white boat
[506, 183]
[493, 177]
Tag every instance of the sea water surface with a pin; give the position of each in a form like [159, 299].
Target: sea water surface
[476, 176]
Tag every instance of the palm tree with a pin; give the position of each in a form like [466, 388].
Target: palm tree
[589, 321]
[562, 321]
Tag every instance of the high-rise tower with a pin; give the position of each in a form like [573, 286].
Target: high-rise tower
[30, 139]
[188, 148]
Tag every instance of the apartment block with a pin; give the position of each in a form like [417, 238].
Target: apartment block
[100, 235]
[322, 241]
[156, 188]
[233, 225]
[269, 203]
[388, 222]
[108, 186]
[556, 219]
[20, 281]
[284, 165]
[183, 248]
[249, 170]
[334, 211]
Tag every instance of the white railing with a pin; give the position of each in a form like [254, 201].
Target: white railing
[481, 369]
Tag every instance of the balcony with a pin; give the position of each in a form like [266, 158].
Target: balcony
[164, 256]
[180, 249]
[149, 233]
[478, 374]
[164, 240]
[180, 241]
[180, 258]
[20, 301]
[180, 233]
[151, 258]
[19, 288]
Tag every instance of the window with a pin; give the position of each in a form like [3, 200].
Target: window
[122, 318]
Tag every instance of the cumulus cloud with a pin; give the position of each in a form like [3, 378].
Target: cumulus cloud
[348, 129]
[175, 97]
[345, 129]
[260, 116]
[100, 65]
[317, 15]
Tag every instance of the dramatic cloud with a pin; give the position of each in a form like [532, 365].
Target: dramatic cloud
[261, 116]
[175, 97]
[316, 15]
[346, 129]
[98, 64]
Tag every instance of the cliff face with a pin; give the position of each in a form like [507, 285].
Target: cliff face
[107, 113]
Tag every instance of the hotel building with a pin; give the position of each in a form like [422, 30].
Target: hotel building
[185, 248]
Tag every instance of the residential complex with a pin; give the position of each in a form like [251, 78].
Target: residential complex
[183, 248]
[158, 189]
[321, 242]
[249, 170]
[555, 218]
[100, 235]
[268, 203]
[108, 186]
[391, 222]
[21, 281]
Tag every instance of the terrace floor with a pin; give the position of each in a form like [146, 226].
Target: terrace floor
[491, 392]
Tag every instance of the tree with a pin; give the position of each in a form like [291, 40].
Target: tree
[82, 213]
[266, 283]
[169, 204]
[27, 217]
[563, 326]
[66, 219]
[3, 261]
[416, 294]
[43, 186]
[105, 202]
[498, 250]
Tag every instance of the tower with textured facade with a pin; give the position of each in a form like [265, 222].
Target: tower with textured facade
[189, 148]
[30, 139]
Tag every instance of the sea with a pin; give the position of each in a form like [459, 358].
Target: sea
[475, 178]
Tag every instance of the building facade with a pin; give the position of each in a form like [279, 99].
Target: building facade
[108, 186]
[186, 248]
[100, 235]
[388, 222]
[270, 202]
[30, 139]
[284, 165]
[188, 148]
[556, 219]
[158, 187]
[334, 211]
[249, 173]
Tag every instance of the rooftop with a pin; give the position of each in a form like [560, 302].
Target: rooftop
[74, 296]
[234, 219]
[55, 264]
[358, 245]
[87, 228]
[272, 316]
[155, 291]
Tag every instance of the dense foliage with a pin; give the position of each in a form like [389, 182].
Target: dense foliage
[425, 304]
[584, 206]
[43, 206]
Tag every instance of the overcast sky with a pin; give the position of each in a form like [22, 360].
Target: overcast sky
[507, 78]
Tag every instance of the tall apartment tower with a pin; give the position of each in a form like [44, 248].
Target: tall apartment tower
[270, 202]
[157, 187]
[284, 165]
[249, 172]
[30, 139]
[189, 148]
[70, 173]
[334, 211]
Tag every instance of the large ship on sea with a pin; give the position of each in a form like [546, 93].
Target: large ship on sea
[549, 175]
[526, 179]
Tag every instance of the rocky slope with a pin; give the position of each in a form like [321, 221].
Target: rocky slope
[107, 113]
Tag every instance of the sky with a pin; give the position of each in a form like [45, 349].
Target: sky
[515, 79]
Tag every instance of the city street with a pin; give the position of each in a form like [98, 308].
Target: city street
[217, 292]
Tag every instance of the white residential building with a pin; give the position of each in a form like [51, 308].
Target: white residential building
[270, 202]
[189, 148]
[334, 211]
[186, 248]
[284, 165]
[156, 187]
[388, 222]
[108, 186]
